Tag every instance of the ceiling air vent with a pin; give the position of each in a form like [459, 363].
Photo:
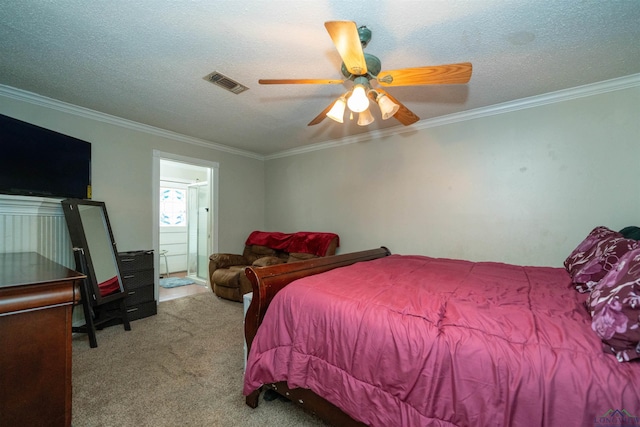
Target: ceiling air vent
[225, 82]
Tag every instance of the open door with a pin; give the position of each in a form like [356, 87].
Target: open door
[198, 231]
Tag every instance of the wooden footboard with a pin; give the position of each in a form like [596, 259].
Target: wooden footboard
[268, 281]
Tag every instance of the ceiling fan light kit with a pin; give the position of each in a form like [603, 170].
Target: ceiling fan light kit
[388, 108]
[337, 111]
[358, 101]
[361, 68]
[365, 118]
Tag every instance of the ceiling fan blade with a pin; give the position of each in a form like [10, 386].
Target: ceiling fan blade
[320, 117]
[346, 39]
[300, 81]
[403, 115]
[439, 74]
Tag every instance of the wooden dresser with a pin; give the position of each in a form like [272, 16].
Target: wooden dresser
[36, 303]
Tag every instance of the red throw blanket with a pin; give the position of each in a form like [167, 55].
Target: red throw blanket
[271, 239]
[311, 243]
[302, 241]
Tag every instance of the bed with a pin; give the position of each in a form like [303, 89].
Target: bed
[371, 338]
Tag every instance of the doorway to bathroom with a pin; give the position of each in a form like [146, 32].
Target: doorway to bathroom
[185, 201]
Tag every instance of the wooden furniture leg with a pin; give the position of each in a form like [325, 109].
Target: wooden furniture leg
[87, 309]
[98, 316]
[88, 327]
[124, 316]
[252, 399]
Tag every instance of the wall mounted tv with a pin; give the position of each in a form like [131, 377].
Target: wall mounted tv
[39, 162]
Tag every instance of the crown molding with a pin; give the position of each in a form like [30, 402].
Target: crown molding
[505, 107]
[64, 107]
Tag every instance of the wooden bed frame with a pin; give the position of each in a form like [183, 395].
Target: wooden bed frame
[267, 282]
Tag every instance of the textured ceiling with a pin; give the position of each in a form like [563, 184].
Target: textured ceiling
[145, 60]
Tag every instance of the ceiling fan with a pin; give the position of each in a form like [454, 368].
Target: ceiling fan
[363, 68]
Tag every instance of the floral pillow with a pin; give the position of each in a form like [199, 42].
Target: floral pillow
[579, 255]
[601, 259]
[614, 305]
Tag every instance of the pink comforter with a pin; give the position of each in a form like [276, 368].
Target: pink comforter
[418, 341]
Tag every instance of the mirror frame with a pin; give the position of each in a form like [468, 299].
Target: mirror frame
[78, 236]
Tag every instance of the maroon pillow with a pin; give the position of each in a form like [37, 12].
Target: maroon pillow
[601, 259]
[578, 257]
[614, 304]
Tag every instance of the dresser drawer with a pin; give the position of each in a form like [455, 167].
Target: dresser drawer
[137, 279]
[145, 309]
[135, 260]
[136, 296]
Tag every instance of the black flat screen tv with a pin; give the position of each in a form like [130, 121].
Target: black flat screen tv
[39, 162]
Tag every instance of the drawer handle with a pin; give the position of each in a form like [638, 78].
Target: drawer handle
[130, 276]
[132, 292]
[131, 310]
[127, 259]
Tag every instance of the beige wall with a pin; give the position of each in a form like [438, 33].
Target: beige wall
[522, 187]
[122, 161]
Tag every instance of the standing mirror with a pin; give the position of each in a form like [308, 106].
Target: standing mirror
[96, 256]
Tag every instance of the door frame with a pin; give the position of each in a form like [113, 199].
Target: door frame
[213, 207]
[190, 217]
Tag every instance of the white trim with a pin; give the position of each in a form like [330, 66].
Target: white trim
[184, 159]
[35, 224]
[54, 104]
[213, 168]
[175, 182]
[505, 107]
[30, 205]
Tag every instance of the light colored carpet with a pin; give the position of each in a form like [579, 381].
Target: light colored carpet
[181, 367]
